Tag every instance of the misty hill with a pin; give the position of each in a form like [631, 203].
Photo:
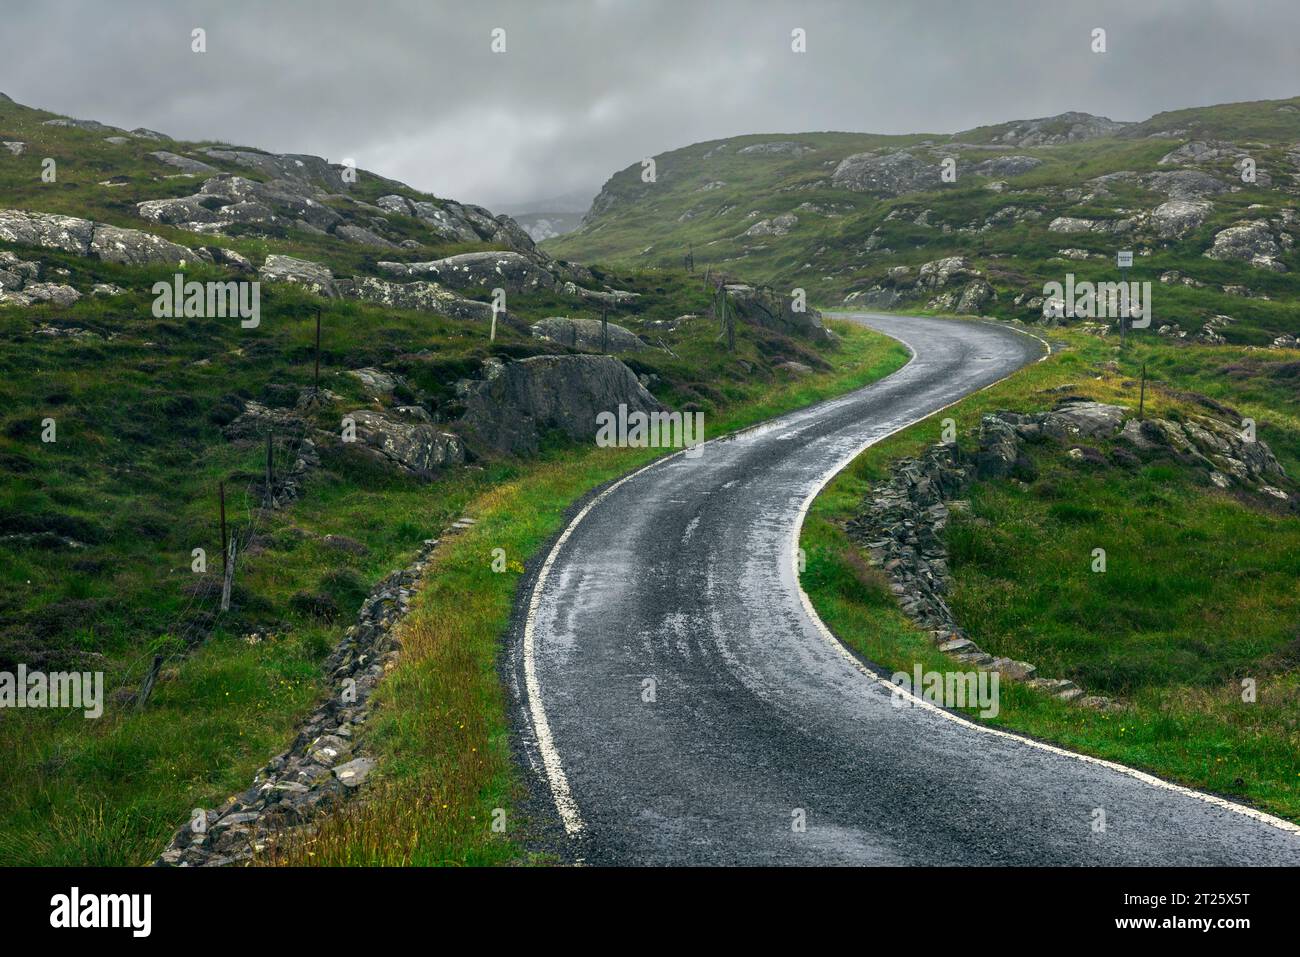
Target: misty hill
[856, 218]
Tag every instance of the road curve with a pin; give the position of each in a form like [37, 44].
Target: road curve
[684, 573]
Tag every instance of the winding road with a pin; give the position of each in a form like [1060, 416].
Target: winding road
[681, 703]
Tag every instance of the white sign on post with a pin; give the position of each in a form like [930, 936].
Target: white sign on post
[1125, 258]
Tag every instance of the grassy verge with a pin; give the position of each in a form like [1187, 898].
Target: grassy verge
[441, 729]
[1199, 591]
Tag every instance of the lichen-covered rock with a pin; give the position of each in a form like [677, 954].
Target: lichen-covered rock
[82, 237]
[515, 402]
[890, 175]
[408, 442]
[1248, 241]
[315, 276]
[1178, 217]
[420, 295]
[511, 271]
[1003, 166]
[587, 334]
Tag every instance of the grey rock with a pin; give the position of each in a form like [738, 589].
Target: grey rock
[1248, 241]
[414, 447]
[511, 271]
[184, 163]
[354, 773]
[315, 276]
[515, 402]
[376, 382]
[587, 334]
[419, 295]
[1178, 217]
[1004, 166]
[890, 175]
[762, 306]
[1072, 127]
[363, 237]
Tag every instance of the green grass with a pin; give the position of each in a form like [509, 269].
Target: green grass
[1199, 590]
[653, 224]
[133, 476]
[441, 731]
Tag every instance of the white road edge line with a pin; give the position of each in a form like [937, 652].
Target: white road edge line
[835, 643]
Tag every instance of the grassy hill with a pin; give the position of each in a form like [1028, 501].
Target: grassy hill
[98, 528]
[796, 210]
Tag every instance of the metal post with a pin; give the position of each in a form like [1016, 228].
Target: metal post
[1142, 396]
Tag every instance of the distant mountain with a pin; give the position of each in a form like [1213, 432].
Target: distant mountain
[978, 221]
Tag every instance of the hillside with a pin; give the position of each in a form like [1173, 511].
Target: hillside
[856, 218]
[126, 414]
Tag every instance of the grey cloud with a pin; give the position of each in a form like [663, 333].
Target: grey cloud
[411, 89]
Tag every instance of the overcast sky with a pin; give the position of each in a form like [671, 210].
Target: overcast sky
[412, 89]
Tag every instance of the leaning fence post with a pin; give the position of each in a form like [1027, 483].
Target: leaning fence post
[229, 578]
[146, 689]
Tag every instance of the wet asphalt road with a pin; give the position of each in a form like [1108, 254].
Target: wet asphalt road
[683, 574]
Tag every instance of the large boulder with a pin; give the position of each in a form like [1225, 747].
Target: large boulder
[1249, 241]
[82, 237]
[1185, 184]
[511, 271]
[225, 200]
[942, 272]
[761, 306]
[515, 402]
[1178, 217]
[406, 439]
[587, 334]
[315, 276]
[131, 247]
[1085, 418]
[1004, 166]
[890, 175]
[1072, 127]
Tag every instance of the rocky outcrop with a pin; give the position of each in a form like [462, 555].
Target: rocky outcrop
[514, 403]
[462, 223]
[890, 175]
[420, 295]
[900, 525]
[1248, 241]
[1070, 127]
[1184, 184]
[314, 276]
[1178, 217]
[1005, 166]
[588, 334]
[185, 164]
[1215, 444]
[326, 764]
[83, 237]
[406, 439]
[761, 306]
[20, 284]
[901, 521]
[511, 271]
[776, 226]
[225, 201]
